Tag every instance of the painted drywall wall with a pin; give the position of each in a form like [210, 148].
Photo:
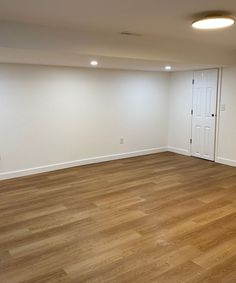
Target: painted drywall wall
[56, 115]
[226, 143]
[180, 104]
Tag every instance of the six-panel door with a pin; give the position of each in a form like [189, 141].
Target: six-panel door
[204, 113]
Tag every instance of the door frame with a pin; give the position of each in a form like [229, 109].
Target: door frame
[218, 101]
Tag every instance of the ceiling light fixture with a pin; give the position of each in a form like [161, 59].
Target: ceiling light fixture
[94, 63]
[213, 22]
[168, 68]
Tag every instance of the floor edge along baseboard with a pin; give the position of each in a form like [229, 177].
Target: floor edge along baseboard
[226, 161]
[80, 162]
[179, 150]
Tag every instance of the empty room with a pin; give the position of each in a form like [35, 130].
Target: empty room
[117, 141]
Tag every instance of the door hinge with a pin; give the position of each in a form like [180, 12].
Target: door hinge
[193, 82]
[192, 112]
[191, 141]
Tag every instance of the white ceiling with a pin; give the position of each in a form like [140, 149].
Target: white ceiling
[71, 32]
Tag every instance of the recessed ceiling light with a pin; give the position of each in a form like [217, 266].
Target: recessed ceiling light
[168, 68]
[213, 22]
[94, 63]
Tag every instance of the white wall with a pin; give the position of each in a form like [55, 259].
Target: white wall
[226, 151]
[180, 104]
[53, 115]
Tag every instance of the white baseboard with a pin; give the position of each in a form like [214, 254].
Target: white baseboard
[53, 167]
[179, 150]
[226, 161]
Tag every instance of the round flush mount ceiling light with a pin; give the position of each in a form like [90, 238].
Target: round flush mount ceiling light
[168, 68]
[213, 22]
[94, 63]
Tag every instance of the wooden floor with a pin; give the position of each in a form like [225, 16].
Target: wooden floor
[157, 218]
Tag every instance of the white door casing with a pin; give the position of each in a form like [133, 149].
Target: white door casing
[205, 87]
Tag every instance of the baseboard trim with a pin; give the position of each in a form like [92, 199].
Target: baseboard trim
[179, 150]
[226, 161]
[80, 162]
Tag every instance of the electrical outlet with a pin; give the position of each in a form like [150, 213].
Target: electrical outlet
[122, 141]
[222, 107]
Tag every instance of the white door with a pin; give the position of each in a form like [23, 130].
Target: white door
[205, 86]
